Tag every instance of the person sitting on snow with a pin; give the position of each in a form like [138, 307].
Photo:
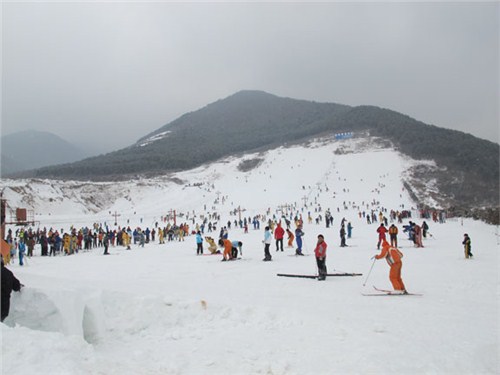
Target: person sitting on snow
[212, 247]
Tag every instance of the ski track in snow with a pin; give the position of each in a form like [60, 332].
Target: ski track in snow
[162, 310]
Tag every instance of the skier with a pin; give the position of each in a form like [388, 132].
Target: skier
[467, 246]
[298, 238]
[417, 237]
[267, 244]
[393, 235]
[22, 251]
[279, 232]
[237, 245]
[320, 252]
[381, 230]
[105, 242]
[393, 257]
[228, 247]
[425, 228]
[199, 243]
[342, 237]
[291, 237]
[9, 284]
[212, 247]
[125, 239]
[349, 229]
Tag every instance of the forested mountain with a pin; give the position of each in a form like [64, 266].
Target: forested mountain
[29, 149]
[467, 167]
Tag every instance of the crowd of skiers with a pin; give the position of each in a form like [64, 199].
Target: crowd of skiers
[53, 242]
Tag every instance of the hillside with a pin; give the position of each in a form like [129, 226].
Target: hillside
[29, 149]
[466, 168]
[160, 309]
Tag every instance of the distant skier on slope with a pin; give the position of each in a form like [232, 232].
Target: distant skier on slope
[279, 232]
[298, 239]
[199, 243]
[342, 236]
[237, 246]
[417, 230]
[228, 247]
[267, 243]
[291, 237]
[393, 257]
[320, 253]
[381, 230]
[212, 247]
[467, 246]
[393, 235]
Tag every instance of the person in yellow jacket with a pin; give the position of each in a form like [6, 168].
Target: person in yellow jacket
[66, 243]
[160, 235]
[393, 235]
[212, 246]
[393, 257]
[126, 240]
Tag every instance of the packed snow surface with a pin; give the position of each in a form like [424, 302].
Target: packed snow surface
[161, 309]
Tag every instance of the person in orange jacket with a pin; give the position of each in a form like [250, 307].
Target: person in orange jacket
[291, 237]
[228, 247]
[393, 257]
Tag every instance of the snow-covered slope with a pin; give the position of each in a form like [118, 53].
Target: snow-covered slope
[163, 310]
[292, 175]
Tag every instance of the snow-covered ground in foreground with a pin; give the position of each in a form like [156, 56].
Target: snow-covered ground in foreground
[163, 310]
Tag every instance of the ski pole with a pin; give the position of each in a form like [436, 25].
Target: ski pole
[369, 272]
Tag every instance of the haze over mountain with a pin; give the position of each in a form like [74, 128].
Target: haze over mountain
[31, 149]
[466, 168]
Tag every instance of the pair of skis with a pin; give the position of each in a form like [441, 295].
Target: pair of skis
[378, 292]
[316, 276]
[384, 292]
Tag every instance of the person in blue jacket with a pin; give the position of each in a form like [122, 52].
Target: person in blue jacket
[22, 251]
[237, 245]
[298, 239]
[199, 243]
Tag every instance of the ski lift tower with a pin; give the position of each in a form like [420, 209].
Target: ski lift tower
[18, 217]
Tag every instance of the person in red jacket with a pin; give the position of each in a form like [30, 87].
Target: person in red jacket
[381, 230]
[393, 257]
[320, 253]
[279, 233]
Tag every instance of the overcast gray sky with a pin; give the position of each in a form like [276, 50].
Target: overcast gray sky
[110, 73]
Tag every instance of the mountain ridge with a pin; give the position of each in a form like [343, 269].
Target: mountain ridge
[248, 120]
[29, 149]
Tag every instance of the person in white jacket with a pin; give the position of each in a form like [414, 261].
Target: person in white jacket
[267, 243]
